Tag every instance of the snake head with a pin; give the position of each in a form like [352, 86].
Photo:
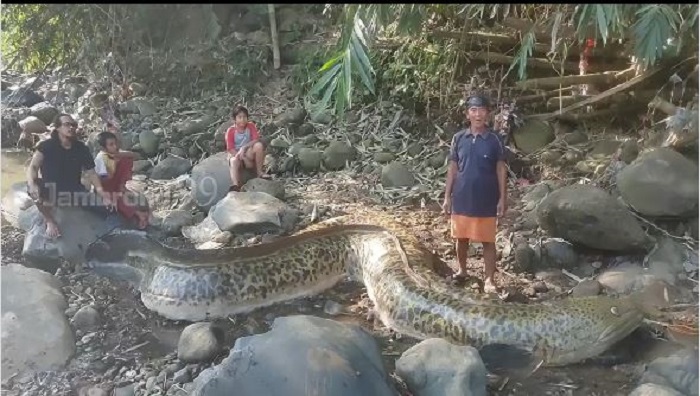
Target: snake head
[115, 247]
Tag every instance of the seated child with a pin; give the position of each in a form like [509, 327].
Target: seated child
[244, 147]
[115, 169]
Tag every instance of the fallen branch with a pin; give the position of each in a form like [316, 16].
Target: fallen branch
[494, 38]
[532, 62]
[598, 78]
[612, 91]
[544, 95]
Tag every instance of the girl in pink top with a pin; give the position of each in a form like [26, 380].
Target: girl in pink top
[244, 147]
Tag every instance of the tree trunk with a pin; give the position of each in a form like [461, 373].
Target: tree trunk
[275, 38]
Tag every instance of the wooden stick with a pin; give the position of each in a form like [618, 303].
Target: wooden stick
[612, 91]
[532, 62]
[543, 95]
[540, 32]
[598, 78]
[275, 36]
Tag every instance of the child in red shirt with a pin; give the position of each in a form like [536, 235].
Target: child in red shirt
[244, 147]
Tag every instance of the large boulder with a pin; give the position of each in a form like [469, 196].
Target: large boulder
[396, 174]
[44, 111]
[170, 167]
[253, 212]
[29, 297]
[678, 372]
[435, 367]
[660, 183]
[211, 180]
[589, 216]
[300, 355]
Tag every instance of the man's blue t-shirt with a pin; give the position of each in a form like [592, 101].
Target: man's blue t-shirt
[475, 191]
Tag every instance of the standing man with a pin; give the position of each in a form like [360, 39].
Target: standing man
[61, 160]
[475, 192]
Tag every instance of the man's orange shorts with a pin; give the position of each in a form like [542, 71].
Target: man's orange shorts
[476, 229]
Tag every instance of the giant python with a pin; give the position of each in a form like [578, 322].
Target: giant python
[371, 247]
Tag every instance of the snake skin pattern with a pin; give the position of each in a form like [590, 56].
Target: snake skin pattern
[194, 285]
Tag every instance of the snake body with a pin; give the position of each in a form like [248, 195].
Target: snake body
[190, 284]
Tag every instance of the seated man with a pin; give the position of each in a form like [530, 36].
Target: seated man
[244, 147]
[61, 159]
[115, 169]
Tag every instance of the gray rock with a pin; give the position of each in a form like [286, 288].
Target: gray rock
[272, 187]
[211, 180]
[654, 390]
[94, 391]
[129, 390]
[397, 174]
[591, 217]
[337, 154]
[293, 116]
[31, 297]
[384, 158]
[190, 127]
[305, 129]
[32, 124]
[182, 376]
[629, 150]
[605, 148]
[253, 212]
[79, 228]
[666, 260]
[87, 318]
[170, 167]
[525, 258]
[140, 106]
[44, 111]
[589, 287]
[310, 159]
[678, 371]
[660, 183]
[574, 138]
[534, 195]
[300, 355]
[533, 135]
[203, 232]
[439, 159]
[279, 143]
[149, 142]
[174, 220]
[559, 253]
[141, 166]
[199, 342]
[435, 367]
[626, 278]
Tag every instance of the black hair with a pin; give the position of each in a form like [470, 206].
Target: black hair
[103, 137]
[238, 109]
[57, 123]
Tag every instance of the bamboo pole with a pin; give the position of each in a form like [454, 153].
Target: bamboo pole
[275, 36]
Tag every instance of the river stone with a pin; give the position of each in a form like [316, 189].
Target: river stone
[31, 297]
[589, 216]
[170, 167]
[44, 111]
[140, 106]
[272, 187]
[300, 355]
[678, 371]
[253, 212]
[199, 342]
[435, 367]
[384, 158]
[533, 135]
[559, 253]
[32, 124]
[310, 159]
[79, 228]
[438, 159]
[174, 220]
[140, 166]
[211, 180]
[666, 261]
[293, 116]
[654, 390]
[660, 183]
[87, 318]
[629, 150]
[149, 141]
[605, 148]
[304, 129]
[337, 154]
[396, 174]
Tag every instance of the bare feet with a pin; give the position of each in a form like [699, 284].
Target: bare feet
[52, 230]
[489, 286]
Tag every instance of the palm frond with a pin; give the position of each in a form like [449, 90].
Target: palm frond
[656, 24]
